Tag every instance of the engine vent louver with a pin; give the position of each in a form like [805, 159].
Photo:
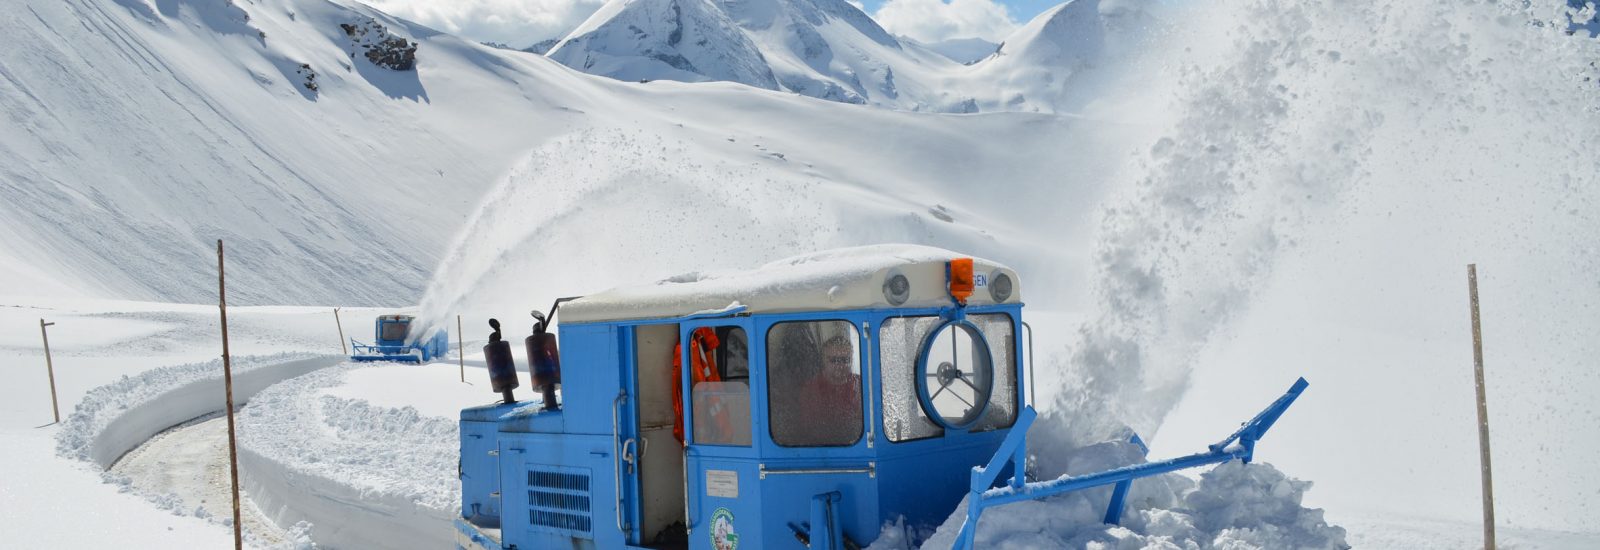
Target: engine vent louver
[559, 500]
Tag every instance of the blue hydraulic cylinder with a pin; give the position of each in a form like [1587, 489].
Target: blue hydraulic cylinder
[826, 531]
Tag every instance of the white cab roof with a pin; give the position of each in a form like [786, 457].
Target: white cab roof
[846, 278]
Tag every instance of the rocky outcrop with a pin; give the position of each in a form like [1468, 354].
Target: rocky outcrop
[380, 46]
[308, 76]
[542, 47]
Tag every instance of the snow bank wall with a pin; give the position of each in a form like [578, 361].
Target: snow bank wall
[114, 418]
[341, 516]
[363, 476]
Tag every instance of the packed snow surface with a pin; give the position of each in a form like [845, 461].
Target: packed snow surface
[433, 389]
[185, 470]
[49, 502]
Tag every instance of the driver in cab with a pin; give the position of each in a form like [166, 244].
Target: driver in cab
[833, 395]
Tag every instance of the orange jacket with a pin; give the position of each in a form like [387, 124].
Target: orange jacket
[702, 342]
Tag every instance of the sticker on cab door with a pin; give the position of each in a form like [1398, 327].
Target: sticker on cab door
[723, 535]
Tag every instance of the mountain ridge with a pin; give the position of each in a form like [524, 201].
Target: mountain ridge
[830, 49]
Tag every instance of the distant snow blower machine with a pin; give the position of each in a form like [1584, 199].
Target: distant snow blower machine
[392, 333]
[802, 405]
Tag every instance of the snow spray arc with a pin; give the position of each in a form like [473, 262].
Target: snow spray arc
[723, 534]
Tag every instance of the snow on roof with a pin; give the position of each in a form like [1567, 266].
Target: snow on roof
[845, 278]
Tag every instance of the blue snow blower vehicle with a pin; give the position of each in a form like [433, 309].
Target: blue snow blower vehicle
[392, 342]
[802, 405]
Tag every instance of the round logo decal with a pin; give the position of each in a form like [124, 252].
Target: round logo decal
[723, 535]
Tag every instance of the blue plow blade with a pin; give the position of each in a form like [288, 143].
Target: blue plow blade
[470, 537]
[394, 358]
[1014, 451]
[401, 354]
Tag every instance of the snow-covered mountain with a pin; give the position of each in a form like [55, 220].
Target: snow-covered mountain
[332, 146]
[338, 150]
[1040, 64]
[830, 49]
[821, 48]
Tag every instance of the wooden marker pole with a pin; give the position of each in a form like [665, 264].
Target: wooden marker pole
[342, 345]
[1483, 412]
[227, 384]
[461, 349]
[51, 368]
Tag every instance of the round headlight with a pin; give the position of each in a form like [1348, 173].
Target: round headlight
[896, 289]
[1000, 287]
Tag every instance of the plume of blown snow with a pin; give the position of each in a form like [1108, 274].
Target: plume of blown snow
[1298, 113]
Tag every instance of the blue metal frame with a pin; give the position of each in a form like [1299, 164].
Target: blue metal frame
[1120, 492]
[1240, 445]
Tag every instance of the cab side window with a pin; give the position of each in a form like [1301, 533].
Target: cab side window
[733, 356]
[899, 341]
[719, 392]
[814, 384]
[998, 329]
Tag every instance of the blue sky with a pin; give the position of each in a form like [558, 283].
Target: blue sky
[523, 22]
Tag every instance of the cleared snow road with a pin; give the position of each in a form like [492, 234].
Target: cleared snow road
[188, 466]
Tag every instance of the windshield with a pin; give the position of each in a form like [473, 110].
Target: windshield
[394, 330]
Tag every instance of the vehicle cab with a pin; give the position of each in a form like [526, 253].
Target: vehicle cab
[393, 341]
[817, 398]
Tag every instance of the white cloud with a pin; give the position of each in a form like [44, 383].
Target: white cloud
[515, 22]
[936, 20]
